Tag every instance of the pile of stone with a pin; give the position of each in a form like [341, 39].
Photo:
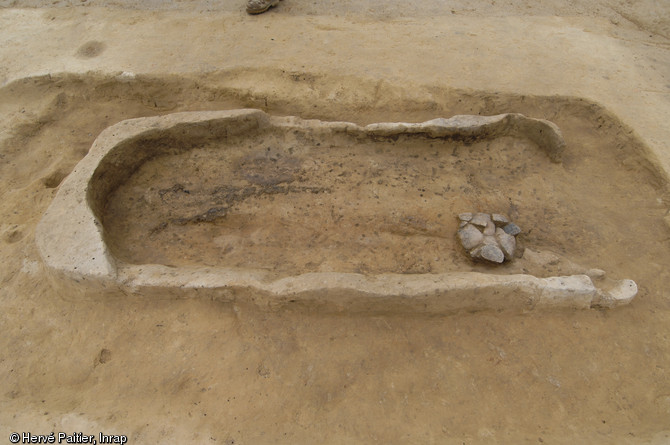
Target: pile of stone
[488, 237]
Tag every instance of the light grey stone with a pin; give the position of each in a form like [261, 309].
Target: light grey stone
[476, 253]
[490, 228]
[470, 236]
[465, 216]
[507, 243]
[480, 219]
[489, 240]
[492, 253]
[512, 229]
[499, 219]
[595, 274]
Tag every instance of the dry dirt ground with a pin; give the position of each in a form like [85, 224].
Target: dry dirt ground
[193, 371]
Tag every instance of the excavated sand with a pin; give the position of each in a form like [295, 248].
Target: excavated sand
[198, 371]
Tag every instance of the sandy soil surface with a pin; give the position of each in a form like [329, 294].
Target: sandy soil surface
[193, 371]
[648, 15]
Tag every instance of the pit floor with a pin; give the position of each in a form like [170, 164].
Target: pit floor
[195, 371]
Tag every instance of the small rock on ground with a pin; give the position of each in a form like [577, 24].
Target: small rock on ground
[490, 228]
[465, 216]
[470, 236]
[481, 219]
[507, 243]
[499, 220]
[489, 237]
[492, 253]
[512, 229]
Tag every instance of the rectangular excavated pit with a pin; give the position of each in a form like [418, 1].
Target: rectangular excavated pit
[281, 209]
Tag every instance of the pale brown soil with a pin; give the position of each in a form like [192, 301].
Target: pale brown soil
[199, 371]
[648, 15]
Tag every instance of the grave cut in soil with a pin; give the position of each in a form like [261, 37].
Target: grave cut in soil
[284, 206]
